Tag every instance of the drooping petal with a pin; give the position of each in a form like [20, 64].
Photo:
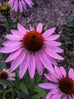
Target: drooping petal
[12, 43]
[53, 54]
[56, 96]
[13, 55]
[55, 48]
[32, 66]
[24, 5]
[45, 61]
[9, 49]
[24, 65]
[65, 97]
[29, 2]
[15, 6]
[47, 86]
[48, 32]
[53, 91]
[53, 43]
[53, 37]
[13, 37]
[16, 32]
[39, 28]
[17, 61]
[20, 6]
[39, 65]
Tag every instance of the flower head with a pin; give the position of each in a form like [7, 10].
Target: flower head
[60, 85]
[20, 4]
[5, 9]
[6, 74]
[31, 49]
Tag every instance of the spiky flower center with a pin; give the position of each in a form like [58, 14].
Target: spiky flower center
[4, 9]
[33, 41]
[3, 75]
[66, 85]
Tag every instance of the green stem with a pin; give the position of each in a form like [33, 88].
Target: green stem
[67, 97]
[17, 17]
[8, 23]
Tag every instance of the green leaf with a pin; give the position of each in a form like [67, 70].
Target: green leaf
[40, 91]
[23, 88]
[37, 96]
[5, 82]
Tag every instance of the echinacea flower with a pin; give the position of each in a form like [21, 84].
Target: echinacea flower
[7, 74]
[20, 4]
[31, 49]
[60, 84]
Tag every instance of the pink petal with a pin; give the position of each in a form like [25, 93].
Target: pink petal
[15, 5]
[11, 79]
[53, 43]
[20, 6]
[70, 72]
[9, 49]
[31, 29]
[39, 28]
[24, 65]
[12, 74]
[70, 97]
[52, 54]
[57, 70]
[13, 55]
[48, 32]
[32, 66]
[53, 37]
[63, 71]
[39, 65]
[45, 61]
[52, 60]
[73, 76]
[50, 77]
[73, 96]
[29, 2]
[13, 37]
[17, 33]
[17, 61]
[55, 48]
[65, 97]
[52, 92]
[21, 29]
[12, 43]
[56, 96]
[47, 86]
[24, 5]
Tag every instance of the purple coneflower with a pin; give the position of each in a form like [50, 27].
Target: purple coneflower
[60, 84]
[31, 49]
[20, 4]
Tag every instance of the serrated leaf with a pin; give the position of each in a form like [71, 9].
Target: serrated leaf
[40, 91]
[23, 88]
[5, 82]
[37, 96]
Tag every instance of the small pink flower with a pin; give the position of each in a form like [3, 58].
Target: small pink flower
[7, 74]
[20, 4]
[32, 49]
[62, 85]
